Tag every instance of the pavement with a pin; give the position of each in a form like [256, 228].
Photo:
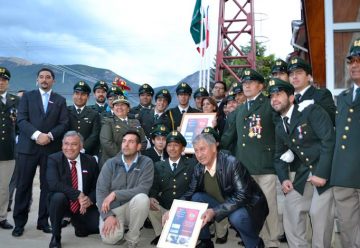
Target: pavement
[33, 238]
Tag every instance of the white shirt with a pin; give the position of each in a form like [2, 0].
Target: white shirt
[212, 171]
[171, 163]
[288, 115]
[78, 171]
[354, 92]
[4, 97]
[36, 134]
[303, 90]
[181, 109]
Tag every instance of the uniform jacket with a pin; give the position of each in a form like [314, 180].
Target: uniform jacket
[322, 97]
[31, 117]
[99, 109]
[256, 153]
[346, 162]
[237, 187]
[311, 138]
[135, 111]
[147, 121]
[8, 114]
[87, 123]
[114, 178]
[111, 135]
[169, 185]
[176, 116]
[151, 153]
[58, 176]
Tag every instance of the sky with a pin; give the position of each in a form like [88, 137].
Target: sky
[144, 41]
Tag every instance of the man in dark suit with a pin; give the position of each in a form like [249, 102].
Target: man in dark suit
[8, 111]
[146, 93]
[72, 177]
[171, 180]
[100, 90]
[158, 138]
[300, 77]
[345, 174]
[251, 127]
[85, 120]
[42, 119]
[306, 134]
[157, 115]
[183, 93]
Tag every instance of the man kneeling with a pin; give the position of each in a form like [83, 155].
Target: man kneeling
[225, 184]
[121, 192]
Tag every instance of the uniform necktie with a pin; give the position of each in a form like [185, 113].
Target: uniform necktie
[46, 101]
[250, 103]
[183, 111]
[297, 98]
[286, 123]
[3, 100]
[156, 116]
[78, 111]
[357, 94]
[74, 205]
[174, 167]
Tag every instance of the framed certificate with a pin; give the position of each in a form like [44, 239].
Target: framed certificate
[192, 124]
[183, 227]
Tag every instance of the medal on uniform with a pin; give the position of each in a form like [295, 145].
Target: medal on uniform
[13, 114]
[258, 127]
[300, 132]
[252, 132]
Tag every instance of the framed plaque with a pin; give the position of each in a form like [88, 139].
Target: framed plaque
[183, 227]
[192, 124]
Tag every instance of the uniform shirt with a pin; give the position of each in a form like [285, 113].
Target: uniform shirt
[36, 134]
[183, 109]
[302, 92]
[78, 172]
[288, 115]
[4, 97]
[354, 92]
[171, 163]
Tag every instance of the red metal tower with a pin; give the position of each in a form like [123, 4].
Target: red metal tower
[236, 28]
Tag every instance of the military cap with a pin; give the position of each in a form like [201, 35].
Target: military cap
[159, 130]
[5, 73]
[82, 86]
[279, 66]
[213, 132]
[250, 74]
[355, 49]
[176, 136]
[277, 85]
[101, 85]
[237, 88]
[146, 88]
[114, 91]
[165, 93]
[201, 92]
[121, 99]
[231, 96]
[183, 88]
[299, 63]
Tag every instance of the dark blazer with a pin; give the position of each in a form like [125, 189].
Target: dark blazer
[151, 153]
[175, 116]
[58, 176]
[8, 127]
[256, 153]
[31, 117]
[311, 138]
[346, 162]
[99, 109]
[169, 185]
[147, 121]
[322, 97]
[237, 187]
[135, 111]
[87, 123]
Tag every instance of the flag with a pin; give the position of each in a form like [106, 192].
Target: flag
[200, 23]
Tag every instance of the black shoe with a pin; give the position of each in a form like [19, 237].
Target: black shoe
[205, 243]
[64, 223]
[283, 238]
[155, 240]
[222, 240]
[5, 225]
[18, 231]
[55, 242]
[81, 233]
[147, 224]
[45, 229]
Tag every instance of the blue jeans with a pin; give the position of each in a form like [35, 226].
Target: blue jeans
[239, 219]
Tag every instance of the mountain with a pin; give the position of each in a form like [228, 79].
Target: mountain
[23, 77]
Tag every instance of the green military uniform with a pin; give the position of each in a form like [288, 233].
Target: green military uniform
[100, 85]
[145, 88]
[113, 91]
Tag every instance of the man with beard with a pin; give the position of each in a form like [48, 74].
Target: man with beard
[100, 89]
[304, 135]
[42, 119]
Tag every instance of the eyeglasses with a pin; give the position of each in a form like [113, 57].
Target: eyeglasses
[353, 60]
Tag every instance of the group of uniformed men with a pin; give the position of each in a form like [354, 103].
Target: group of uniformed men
[295, 135]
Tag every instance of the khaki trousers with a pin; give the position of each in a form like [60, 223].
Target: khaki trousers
[270, 231]
[6, 171]
[133, 215]
[347, 203]
[155, 219]
[321, 210]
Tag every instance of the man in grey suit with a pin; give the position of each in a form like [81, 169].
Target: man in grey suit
[42, 120]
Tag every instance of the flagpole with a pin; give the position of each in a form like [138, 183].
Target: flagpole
[201, 74]
[207, 50]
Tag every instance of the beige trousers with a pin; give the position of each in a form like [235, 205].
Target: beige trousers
[155, 218]
[347, 203]
[270, 231]
[133, 215]
[321, 210]
[6, 171]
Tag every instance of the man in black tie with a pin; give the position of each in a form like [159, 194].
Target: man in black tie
[100, 89]
[42, 119]
[72, 177]
[171, 180]
[85, 120]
